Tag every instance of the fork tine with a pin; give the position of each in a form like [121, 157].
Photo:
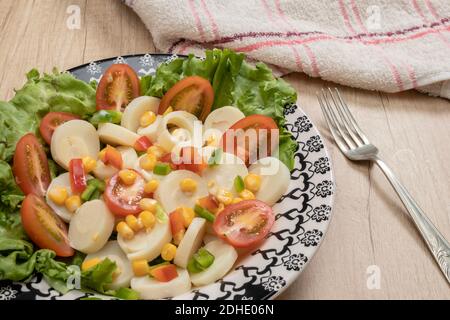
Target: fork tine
[358, 130]
[345, 121]
[337, 137]
[341, 130]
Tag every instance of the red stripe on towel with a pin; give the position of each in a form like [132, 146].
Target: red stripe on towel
[417, 8]
[312, 57]
[198, 22]
[394, 71]
[297, 58]
[431, 28]
[212, 21]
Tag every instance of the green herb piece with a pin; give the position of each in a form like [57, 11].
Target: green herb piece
[162, 169]
[204, 213]
[239, 185]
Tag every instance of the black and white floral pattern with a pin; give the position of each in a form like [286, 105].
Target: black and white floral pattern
[322, 165]
[302, 214]
[312, 237]
[321, 213]
[303, 124]
[295, 262]
[7, 293]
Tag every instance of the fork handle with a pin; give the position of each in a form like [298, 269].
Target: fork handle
[438, 245]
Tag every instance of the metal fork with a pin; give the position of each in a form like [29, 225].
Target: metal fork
[355, 146]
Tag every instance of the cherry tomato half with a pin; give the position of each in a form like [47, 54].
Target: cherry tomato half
[245, 223]
[77, 175]
[118, 86]
[121, 199]
[44, 227]
[193, 94]
[30, 166]
[242, 144]
[51, 121]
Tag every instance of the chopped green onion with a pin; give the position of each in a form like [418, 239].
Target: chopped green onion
[239, 184]
[215, 158]
[162, 169]
[204, 213]
[126, 294]
[98, 184]
[95, 195]
[204, 258]
[200, 261]
[104, 116]
[87, 193]
[160, 214]
[193, 267]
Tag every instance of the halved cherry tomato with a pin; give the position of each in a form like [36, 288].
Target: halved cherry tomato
[30, 166]
[209, 202]
[193, 94]
[121, 199]
[77, 176]
[243, 145]
[245, 223]
[53, 120]
[190, 159]
[164, 273]
[142, 144]
[113, 157]
[44, 227]
[118, 86]
[177, 224]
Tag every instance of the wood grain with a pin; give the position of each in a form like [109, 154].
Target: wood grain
[369, 225]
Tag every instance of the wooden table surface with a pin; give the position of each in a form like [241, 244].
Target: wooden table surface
[369, 227]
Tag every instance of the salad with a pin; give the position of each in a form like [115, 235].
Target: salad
[142, 188]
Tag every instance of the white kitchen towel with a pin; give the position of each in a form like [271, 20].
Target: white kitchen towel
[386, 45]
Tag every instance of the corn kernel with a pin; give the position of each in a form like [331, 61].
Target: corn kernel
[151, 186]
[252, 182]
[148, 204]
[58, 195]
[72, 203]
[89, 164]
[156, 150]
[124, 230]
[168, 252]
[247, 195]
[168, 110]
[224, 196]
[236, 200]
[147, 119]
[89, 263]
[188, 185]
[147, 219]
[148, 162]
[134, 223]
[188, 215]
[140, 267]
[128, 177]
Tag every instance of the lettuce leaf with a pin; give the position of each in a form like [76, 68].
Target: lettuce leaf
[252, 89]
